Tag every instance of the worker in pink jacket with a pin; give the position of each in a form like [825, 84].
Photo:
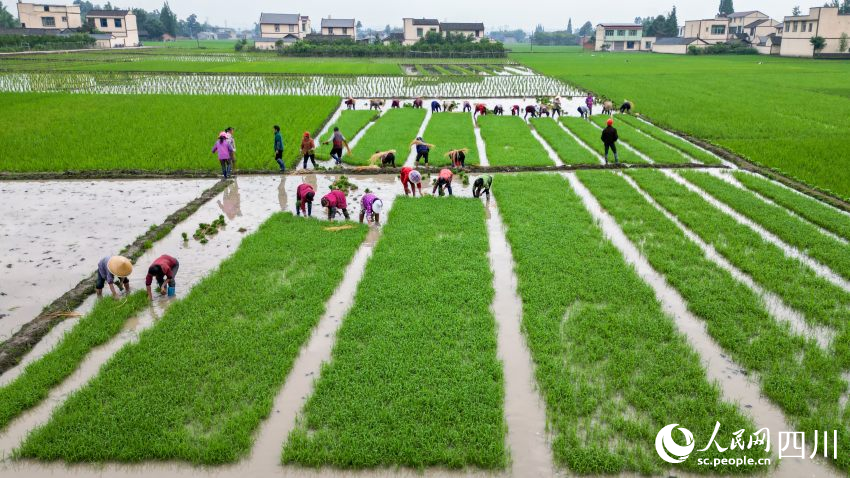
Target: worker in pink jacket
[336, 200]
[444, 181]
[304, 200]
[224, 150]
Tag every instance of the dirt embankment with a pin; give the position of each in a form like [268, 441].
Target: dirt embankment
[13, 349]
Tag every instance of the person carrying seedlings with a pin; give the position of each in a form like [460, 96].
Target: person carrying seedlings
[626, 107]
[387, 158]
[337, 142]
[412, 178]
[530, 110]
[308, 149]
[278, 148]
[223, 150]
[589, 103]
[458, 157]
[164, 269]
[232, 141]
[423, 149]
[609, 139]
[114, 271]
[482, 185]
[371, 208]
[336, 201]
[304, 200]
[584, 112]
[444, 181]
[436, 107]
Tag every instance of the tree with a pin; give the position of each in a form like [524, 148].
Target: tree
[141, 18]
[672, 25]
[192, 25]
[538, 29]
[154, 27]
[85, 8]
[842, 43]
[796, 12]
[168, 19]
[7, 20]
[819, 43]
[586, 29]
[108, 6]
[726, 8]
[570, 26]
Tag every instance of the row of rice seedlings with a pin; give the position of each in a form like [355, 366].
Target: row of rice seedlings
[825, 216]
[451, 131]
[204, 377]
[38, 378]
[591, 136]
[685, 146]
[414, 380]
[350, 123]
[395, 130]
[443, 70]
[510, 142]
[821, 302]
[792, 230]
[611, 365]
[570, 151]
[649, 146]
[794, 373]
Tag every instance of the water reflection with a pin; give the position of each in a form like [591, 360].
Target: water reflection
[230, 203]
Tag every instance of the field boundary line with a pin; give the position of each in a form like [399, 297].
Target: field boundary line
[480, 144]
[629, 147]
[551, 152]
[581, 143]
[411, 154]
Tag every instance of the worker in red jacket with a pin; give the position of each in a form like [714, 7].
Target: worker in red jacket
[411, 179]
[334, 201]
[444, 182]
[304, 200]
[164, 269]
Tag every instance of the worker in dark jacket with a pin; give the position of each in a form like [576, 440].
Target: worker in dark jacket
[482, 186]
[423, 149]
[626, 107]
[436, 107]
[609, 139]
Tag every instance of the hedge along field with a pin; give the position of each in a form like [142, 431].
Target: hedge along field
[204, 377]
[669, 139]
[510, 143]
[592, 136]
[785, 113]
[611, 365]
[350, 123]
[414, 380]
[396, 129]
[794, 373]
[149, 132]
[649, 146]
[95, 329]
[449, 131]
[570, 151]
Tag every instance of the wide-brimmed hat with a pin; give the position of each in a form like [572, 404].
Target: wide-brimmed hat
[415, 177]
[377, 206]
[120, 266]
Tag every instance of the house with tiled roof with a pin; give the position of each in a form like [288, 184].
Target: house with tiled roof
[286, 28]
[416, 29]
[120, 24]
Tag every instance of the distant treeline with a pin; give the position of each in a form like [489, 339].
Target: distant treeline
[45, 42]
[434, 44]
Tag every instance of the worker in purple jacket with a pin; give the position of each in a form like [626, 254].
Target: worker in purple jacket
[371, 208]
[589, 103]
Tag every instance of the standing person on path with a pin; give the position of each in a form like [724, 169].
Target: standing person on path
[444, 181]
[387, 158]
[232, 141]
[223, 150]
[610, 138]
[304, 200]
[371, 208]
[458, 157]
[278, 149]
[164, 269]
[584, 112]
[423, 149]
[308, 149]
[334, 201]
[114, 271]
[626, 107]
[436, 107]
[482, 185]
[411, 177]
[589, 103]
[338, 141]
[556, 107]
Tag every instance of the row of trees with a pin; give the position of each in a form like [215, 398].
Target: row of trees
[562, 37]
[7, 20]
[660, 26]
[433, 43]
[157, 22]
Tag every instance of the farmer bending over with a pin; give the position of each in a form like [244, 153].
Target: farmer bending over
[412, 178]
[444, 181]
[422, 150]
[436, 107]
[113, 271]
[304, 200]
[480, 110]
[584, 112]
[458, 157]
[515, 110]
[626, 107]
[482, 186]
[610, 138]
[336, 200]
[371, 208]
[164, 269]
[530, 110]
[387, 158]
[308, 149]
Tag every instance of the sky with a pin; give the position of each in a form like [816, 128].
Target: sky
[552, 14]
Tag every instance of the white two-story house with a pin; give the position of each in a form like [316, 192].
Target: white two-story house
[287, 28]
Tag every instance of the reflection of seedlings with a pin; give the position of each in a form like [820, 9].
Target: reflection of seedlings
[185, 237]
[206, 230]
[204, 241]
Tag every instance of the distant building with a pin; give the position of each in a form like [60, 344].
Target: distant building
[121, 24]
[281, 27]
[397, 37]
[206, 36]
[620, 37]
[416, 29]
[676, 45]
[339, 27]
[58, 17]
[769, 45]
[824, 22]
[475, 31]
[749, 27]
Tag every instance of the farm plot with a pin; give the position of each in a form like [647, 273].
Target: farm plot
[567, 148]
[414, 379]
[395, 130]
[628, 371]
[510, 142]
[656, 150]
[684, 146]
[450, 131]
[591, 136]
[350, 123]
[82, 132]
[203, 378]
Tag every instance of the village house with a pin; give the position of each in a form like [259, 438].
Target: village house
[475, 31]
[40, 15]
[824, 22]
[284, 27]
[676, 45]
[621, 37]
[709, 31]
[120, 24]
[339, 27]
[416, 29]
[769, 45]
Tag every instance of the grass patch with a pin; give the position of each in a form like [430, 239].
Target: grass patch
[570, 151]
[414, 379]
[350, 123]
[669, 139]
[510, 143]
[449, 131]
[649, 146]
[395, 130]
[204, 377]
[591, 136]
[611, 366]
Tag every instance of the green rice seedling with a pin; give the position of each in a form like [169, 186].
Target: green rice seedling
[204, 377]
[654, 149]
[793, 372]
[682, 145]
[610, 364]
[510, 142]
[395, 130]
[443, 70]
[350, 123]
[815, 211]
[185, 237]
[39, 377]
[794, 231]
[591, 136]
[342, 183]
[414, 380]
[450, 131]
[567, 148]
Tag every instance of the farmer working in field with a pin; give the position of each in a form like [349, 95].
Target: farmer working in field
[458, 157]
[584, 112]
[278, 148]
[386, 158]
[350, 103]
[444, 182]
[436, 107]
[480, 110]
[482, 185]
[418, 102]
[498, 110]
[589, 103]
[467, 107]
[412, 178]
[371, 208]
[113, 271]
[626, 107]
[395, 104]
[610, 138]
[232, 141]
[308, 149]
[515, 110]
[336, 201]
[423, 149]
[556, 107]
[223, 150]
[338, 141]
[304, 200]
[530, 110]
[164, 269]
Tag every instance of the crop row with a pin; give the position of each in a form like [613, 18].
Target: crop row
[350, 122]
[395, 130]
[510, 142]
[611, 366]
[568, 149]
[674, 141]
[591, 136]
[204, 377]
[656, 150]
[414, 380]
[451, 131]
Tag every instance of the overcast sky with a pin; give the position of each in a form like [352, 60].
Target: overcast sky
[553, 14]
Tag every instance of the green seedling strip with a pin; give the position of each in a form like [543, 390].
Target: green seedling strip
[670, 139]
[394, 130]
[350, 123]
[510, 142]
[414, 380]
[815, 211]
[204, 377]
[591, 136]
[39, 377]
[567, 148]
[450, 131]
[794, 372]
[611, 366]
[649, 146]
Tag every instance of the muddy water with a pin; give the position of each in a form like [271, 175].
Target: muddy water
[55, 232]
[734, 384]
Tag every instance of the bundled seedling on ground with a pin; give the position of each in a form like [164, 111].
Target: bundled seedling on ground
[206, 231]
[510, 142]
[344, 184]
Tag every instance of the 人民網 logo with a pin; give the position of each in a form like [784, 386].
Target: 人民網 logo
[668, 449]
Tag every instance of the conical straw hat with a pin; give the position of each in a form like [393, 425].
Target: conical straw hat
[120, 266]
